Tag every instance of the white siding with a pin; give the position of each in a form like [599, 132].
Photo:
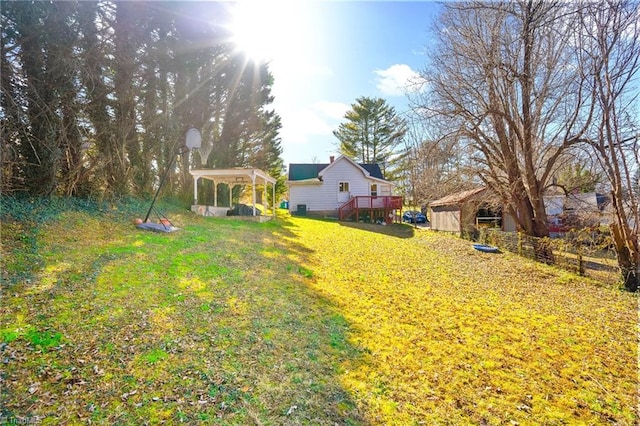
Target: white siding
[324, 196]
[302, 194]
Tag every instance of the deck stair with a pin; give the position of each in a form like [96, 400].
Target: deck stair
[371, 208]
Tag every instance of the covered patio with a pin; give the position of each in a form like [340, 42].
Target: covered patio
[231, 177]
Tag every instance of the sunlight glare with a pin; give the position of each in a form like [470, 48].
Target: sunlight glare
[263, 29]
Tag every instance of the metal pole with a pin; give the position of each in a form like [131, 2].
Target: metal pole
[164, 177]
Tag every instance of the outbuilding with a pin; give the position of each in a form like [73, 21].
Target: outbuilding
[467, 211]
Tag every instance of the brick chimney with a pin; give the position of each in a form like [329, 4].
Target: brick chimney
[331, 159]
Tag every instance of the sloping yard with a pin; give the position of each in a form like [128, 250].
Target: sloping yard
[300, 321]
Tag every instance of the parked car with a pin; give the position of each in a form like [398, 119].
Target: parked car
[414, 216]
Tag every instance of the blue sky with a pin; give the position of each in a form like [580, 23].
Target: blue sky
[325, 54]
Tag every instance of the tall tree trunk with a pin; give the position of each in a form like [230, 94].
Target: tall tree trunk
[127, 150]
[98, 103]
[12, 124]
[62, 71]
[613, 53]
[628, 256]
[38, 144]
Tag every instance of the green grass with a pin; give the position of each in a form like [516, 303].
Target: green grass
[300, 321]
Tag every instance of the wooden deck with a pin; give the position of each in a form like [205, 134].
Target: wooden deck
[370, 208]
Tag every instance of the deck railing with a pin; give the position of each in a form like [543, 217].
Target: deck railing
[363, 202]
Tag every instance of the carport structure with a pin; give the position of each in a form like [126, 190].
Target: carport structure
[231, 177]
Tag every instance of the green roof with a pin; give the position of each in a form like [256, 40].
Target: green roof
[311, 171]
[305, 171]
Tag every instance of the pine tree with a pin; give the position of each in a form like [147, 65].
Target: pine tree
[372, 131]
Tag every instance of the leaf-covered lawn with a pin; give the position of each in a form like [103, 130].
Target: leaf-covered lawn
[301, 321]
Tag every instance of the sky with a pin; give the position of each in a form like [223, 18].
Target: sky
[326, 54]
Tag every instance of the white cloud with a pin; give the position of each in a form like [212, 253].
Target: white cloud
[318, 119]
[332, 110]
[298, 125]
[307, 132]
[397, 80]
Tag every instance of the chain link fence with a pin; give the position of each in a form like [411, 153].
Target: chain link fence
[586, 252]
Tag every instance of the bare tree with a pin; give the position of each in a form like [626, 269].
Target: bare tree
[502, 77]
[611, 47]
[432, 167]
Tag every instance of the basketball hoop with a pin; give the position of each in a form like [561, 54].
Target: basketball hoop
[193, 139]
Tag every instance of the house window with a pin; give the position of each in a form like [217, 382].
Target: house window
[374, 189]
[343, 187]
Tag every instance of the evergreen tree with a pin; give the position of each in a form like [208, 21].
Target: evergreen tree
[372, 131]
[97, 96]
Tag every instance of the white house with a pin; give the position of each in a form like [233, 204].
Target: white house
[324, 189]
[577, 210]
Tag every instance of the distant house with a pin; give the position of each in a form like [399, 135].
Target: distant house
[341, 188]
[466, 211]
[580, 210]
